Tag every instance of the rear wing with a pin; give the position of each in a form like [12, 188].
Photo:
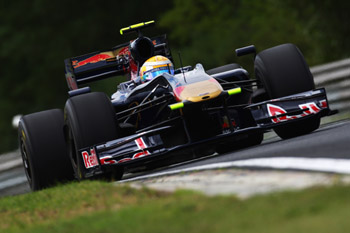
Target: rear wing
[106, 63]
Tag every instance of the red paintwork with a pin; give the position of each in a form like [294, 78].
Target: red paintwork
[93, 59]
[178, 91]
[133, 66]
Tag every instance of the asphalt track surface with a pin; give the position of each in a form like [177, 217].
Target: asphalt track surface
[330, 141]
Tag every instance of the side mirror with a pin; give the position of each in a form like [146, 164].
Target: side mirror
[246, 50]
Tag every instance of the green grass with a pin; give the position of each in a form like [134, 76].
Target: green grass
[102, 207]
[344, 115]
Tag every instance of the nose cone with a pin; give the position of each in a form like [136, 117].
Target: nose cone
[200, 91]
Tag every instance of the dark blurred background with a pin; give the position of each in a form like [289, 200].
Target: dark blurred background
[36, 36]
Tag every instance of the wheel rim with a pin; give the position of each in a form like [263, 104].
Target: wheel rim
[25, 160]
[72, 154]
[71, 150]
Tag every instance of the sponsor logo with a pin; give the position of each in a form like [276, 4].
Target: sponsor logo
[310, 108]
[94, 59]
[324, 104]
[124, 160]
[103, 160]
[140, 145]
[90, 160]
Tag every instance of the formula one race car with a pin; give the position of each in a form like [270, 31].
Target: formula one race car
[167, 115]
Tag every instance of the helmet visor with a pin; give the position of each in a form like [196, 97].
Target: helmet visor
[151, 74]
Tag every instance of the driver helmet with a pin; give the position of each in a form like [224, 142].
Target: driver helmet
[155, 66]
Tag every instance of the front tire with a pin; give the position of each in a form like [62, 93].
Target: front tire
[43, 149]
[283, 71]
[90, 120]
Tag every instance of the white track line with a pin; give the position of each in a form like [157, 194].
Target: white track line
[341, 166]
[13, 182]
[11, 164]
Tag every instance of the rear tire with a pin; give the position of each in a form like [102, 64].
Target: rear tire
[90, 120]
[283, 71]
[43, 149]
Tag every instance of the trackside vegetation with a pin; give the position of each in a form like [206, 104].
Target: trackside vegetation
[93, 206]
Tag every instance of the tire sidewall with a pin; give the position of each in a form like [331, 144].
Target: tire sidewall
[283, 71]
[25, 140]
[90, 119]
[41, 135]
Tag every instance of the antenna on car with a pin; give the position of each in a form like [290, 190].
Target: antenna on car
[182, 70]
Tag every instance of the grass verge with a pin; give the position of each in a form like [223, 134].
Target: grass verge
[344, 115]
[102, 207]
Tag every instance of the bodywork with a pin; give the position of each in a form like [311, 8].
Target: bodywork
[178, 115]
[153, 139]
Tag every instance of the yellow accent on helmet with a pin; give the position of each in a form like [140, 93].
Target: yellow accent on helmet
[155, 66]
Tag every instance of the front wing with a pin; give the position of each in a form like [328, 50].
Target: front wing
[148, 145]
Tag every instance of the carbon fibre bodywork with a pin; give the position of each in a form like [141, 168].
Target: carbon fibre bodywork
[232, 123]
[175, 117]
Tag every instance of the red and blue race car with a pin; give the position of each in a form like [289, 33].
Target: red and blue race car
[177, 115]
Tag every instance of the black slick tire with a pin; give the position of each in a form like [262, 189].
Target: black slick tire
[90, 120]
[283, 71]
[43, 149]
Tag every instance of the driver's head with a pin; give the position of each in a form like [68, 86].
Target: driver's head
[155, 66]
